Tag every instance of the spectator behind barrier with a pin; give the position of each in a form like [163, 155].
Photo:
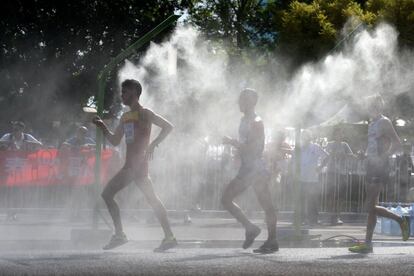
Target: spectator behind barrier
[311, 156]
[18, 140]
[80, 140]
[339, 152]
[405, 164]
[277, 154]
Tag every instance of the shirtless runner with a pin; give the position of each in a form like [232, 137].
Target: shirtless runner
[252, 172]
[382, 142]
[136, 126]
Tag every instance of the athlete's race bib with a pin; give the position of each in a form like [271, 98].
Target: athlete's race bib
[129, 132]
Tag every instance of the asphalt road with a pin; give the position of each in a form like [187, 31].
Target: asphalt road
[128, 260]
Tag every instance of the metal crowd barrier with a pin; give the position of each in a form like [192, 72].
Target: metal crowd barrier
[46, 179]
[183, 185]
[350, 185]
[195, 178]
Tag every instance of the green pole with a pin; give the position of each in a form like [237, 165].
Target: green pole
[297, 184]
[102, 77]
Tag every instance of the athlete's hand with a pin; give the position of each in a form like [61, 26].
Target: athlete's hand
[149, 154]
[98, 122]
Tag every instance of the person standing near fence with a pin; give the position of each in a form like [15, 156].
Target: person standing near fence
[339, 154]
[135, 125]
[311, 157]
[80, 140]
[252, 172]
[405, 166]
[74, 166]
[17, 140]
[278, 153]
[382, 142]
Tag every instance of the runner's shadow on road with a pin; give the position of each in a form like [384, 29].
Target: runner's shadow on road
[208, 257]
[28, 261]
[347, 257]
[217, 256]
[263, 257]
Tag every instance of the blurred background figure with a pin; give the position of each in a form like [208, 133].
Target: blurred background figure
[278, 152]
[312, 155]
[405, 166]
[80, 139]
[75, 160]
[18, 140]
[339, 153]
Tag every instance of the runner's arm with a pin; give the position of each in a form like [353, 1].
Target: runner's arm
[166, 128]
[113, 137]
[390, 132]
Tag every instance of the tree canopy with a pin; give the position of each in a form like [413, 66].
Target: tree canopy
[52, 51]
[304, 29]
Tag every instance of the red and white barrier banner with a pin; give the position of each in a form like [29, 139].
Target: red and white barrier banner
[47, 167]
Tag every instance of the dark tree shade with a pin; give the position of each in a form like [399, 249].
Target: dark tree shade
[52, 51]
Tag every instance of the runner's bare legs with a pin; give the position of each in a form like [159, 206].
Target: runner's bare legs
[135, 125]
[233, 190]
[264, 197]
[373, 192]
[160, 212]
[252, 172]
[383, 141]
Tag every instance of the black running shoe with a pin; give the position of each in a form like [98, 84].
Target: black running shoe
[116, 240]
[166, 244]
[268, 247]
[251, 235]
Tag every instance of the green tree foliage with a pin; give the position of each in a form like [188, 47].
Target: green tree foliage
[52, 51]
[340, 12]
[304, 29]
[400, 13]
[239, 23]
[310, 29]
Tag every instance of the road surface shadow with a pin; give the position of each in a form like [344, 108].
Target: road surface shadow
[27, 261]
[350, 256]
[207, 257]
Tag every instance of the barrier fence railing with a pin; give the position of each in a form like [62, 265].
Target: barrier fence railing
[56, 179]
